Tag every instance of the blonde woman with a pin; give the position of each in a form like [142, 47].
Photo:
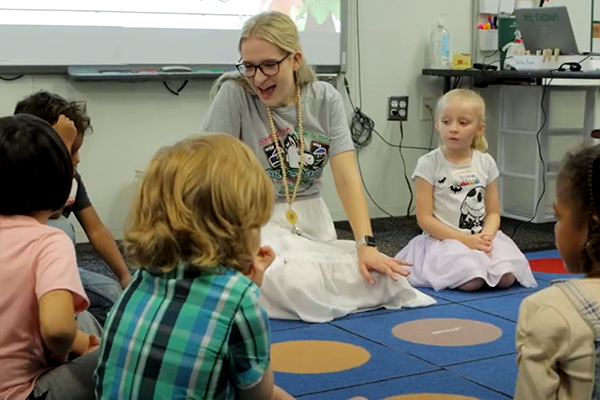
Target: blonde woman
[189, 325]
[458, 207]
[296, 125]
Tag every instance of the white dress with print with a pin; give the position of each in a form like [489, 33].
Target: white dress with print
[459, 202]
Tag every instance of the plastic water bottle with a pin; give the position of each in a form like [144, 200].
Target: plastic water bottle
[440, 46]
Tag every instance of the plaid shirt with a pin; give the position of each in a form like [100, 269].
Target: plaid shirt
[184, 335]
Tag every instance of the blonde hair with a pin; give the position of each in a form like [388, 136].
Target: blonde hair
[278, 29]
[197, 204]
[475, 99]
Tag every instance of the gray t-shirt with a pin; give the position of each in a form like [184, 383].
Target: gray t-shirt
[237, 112]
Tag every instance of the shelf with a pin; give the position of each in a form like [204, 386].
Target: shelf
[565, 132]
[496, 6]
[128, 73]
[517, 132]
[517, 175]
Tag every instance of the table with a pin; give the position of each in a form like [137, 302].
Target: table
[502, 77]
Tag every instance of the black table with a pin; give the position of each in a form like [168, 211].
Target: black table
[490, 77]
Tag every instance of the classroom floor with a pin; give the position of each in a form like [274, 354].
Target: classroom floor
[462, 348]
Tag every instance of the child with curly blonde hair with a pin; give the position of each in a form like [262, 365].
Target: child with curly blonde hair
[189, 325]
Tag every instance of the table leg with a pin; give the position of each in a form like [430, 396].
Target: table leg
[447, 84]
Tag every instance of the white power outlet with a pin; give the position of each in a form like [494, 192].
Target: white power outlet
[428, 105]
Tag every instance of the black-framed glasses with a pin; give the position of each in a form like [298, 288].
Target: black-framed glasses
[268, 68]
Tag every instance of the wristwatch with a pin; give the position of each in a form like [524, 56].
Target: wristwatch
[366, 241]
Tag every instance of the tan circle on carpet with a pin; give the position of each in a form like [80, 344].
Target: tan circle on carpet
[430, 396]
[316, 356]
[447, 332]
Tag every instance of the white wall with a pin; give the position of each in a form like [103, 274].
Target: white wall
[132, 121]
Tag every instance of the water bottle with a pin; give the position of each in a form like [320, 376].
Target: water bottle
[440, 45]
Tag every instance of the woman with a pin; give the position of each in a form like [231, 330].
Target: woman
[276, 106]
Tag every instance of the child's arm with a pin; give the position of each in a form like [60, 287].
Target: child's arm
[57, 322]
[59, 292]
[250, 350]
[425, 218]
[104, 243]
[492, 210]
[542, 336]
[492, 198]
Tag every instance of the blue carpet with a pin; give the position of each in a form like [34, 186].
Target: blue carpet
[371, 371]
[508, 308]
[498, 373]
[433, 382]
[457, 296]
[282, 325]
[379, 329]
[397, 367]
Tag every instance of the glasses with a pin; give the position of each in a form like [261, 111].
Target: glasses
[268, 68]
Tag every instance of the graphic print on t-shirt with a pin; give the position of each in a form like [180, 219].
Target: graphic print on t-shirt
[472, 208]
[461, 179]
[314, 156]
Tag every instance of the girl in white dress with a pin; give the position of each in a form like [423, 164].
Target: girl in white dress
[296, 124]
[458, 208]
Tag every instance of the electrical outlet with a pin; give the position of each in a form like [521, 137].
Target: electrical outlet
[428, 105]
[397, 108]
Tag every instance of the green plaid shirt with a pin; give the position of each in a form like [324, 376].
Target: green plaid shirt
[184, 335]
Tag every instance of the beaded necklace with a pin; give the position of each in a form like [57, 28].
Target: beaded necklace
[291, 216]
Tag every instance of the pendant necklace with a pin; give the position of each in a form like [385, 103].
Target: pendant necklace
[291, 216]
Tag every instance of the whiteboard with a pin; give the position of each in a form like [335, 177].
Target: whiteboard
[136, 32]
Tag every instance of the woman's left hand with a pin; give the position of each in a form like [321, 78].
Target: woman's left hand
[370, 259]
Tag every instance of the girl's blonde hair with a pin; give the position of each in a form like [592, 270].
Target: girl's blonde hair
[475, 99]
[197, 204]
[278, 29]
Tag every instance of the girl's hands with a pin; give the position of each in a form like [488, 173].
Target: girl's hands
[480, 241]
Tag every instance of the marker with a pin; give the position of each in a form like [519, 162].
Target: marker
[175, 68]
[115, 71]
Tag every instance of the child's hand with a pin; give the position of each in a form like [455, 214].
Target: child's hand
[85, 343]
[261, 262]
[66, 130]
[478, 242]
[94, 343]
[488, 241]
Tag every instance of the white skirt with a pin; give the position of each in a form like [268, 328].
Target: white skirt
[442, 264]
[317, 279]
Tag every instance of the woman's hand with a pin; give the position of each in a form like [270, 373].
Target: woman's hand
[370, 259]
[262, 261]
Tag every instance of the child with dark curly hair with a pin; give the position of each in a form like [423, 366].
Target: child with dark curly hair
[102, 291]
[558, 331]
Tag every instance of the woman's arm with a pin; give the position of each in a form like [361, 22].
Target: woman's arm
[492, 210]
[350, 190]
[430, 224]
